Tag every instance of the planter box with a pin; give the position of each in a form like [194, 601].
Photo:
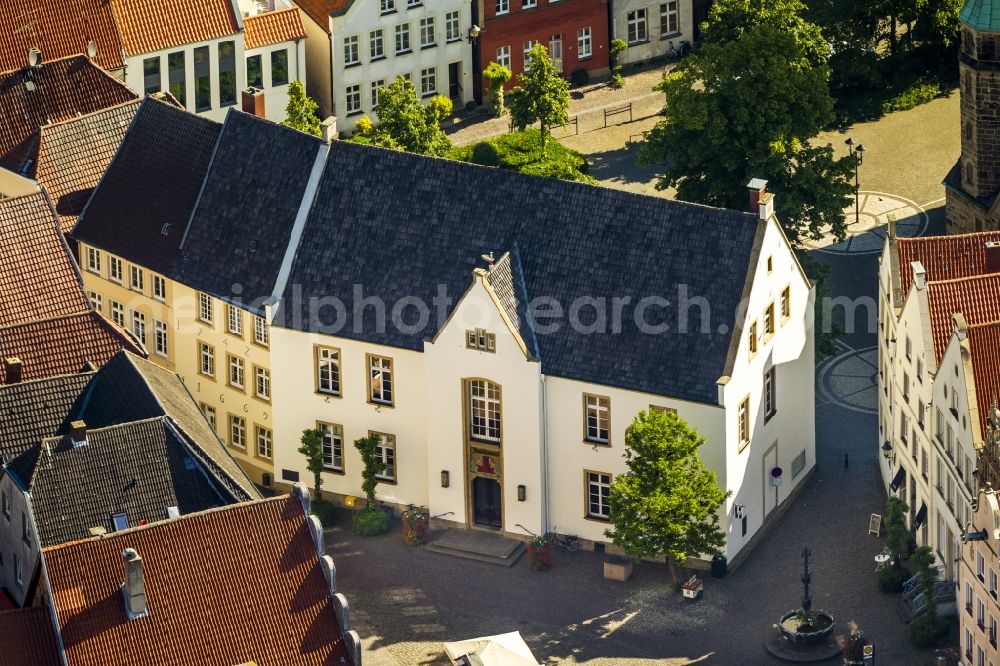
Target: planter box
[617, 568]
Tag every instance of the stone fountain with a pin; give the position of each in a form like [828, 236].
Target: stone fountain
[803, 635]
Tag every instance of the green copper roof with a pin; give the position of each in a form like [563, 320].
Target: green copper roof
[981, 15]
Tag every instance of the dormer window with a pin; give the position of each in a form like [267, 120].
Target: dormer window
[481, 340]
[120, 521]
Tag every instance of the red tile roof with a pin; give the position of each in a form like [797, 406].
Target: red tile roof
[984, 345]
[977, 298]
[224, 587]
[944, 257]
[58, 28]
[284, 25]
[64, 89]
[28, 639]
[150, 25]
[320, 10]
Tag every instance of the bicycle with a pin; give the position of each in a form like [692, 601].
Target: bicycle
[568, 542]
[677, 53]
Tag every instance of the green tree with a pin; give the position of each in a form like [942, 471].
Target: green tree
[927, 629]
[729, 20]
[497, 76]
[300, 113]
[406, 124]
[937, 21]
[746, 106]
[312, 448]
[372, 466]
[895, 527]
[618, 47]
[542, 95]
[667, 503]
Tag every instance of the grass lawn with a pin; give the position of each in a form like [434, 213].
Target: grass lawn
[522, 151]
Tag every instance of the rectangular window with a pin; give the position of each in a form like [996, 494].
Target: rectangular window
[770, 393]
[328, 370]
[159, 288]
[529, 4]
[637, 31]
[264, 439]
[598, 493]
[376, 44]
[237, 371]
[234, 320]
[481, 340]
[262, 383]
[94, 260]
[177, 76]
[388, 6]
[138, 325]
[115, 269]
[428, 81]
[906, 387]
[333, 446]
[227, 73]
[351, 49]
[584, 43]
[25, 532]
[484, 411]
[993, 583]
[743, 423]
[6, 505]
[386, 452]
[376, 88]
[209, 413]
[117, 312]
[237, 431]
[206, 309]
[752, 338]
[527, 47]
[920, 370]
[279, 67]
[380, 385]
[202, 80]
[503, 56]
[428, 36]
[597, 418]
[980, 568]
[206, 354]
[769, 319]
[151, 76]
[452, 26]
[786, 302]
[502, 6]
[255, 71]
[17, 571]
[260, 333]
[669, 19]
[353, 94]
[909, 348]
[993, 631]
[160, 337]
[96, 300]
[402, 38]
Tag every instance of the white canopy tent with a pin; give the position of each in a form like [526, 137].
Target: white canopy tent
[500, 650]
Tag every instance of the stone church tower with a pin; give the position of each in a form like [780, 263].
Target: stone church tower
[973, 183]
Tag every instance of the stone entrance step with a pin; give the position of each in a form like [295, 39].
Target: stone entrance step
[479, 546]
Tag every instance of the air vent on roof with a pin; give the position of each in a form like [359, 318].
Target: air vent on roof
[165, 229]
[218, 234]
[173, 511]
[253, 247]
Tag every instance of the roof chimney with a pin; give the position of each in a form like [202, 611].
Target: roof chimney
[78, 433]
[253, 101]
[959, 325]
[919, 274]
[992, 249]
[892, 227]
[328, 128]
[13, 369]
[134, 587]
[757, 188]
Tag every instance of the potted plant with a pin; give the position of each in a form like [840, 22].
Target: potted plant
[415, 521]
[852, 645]
[540, 553]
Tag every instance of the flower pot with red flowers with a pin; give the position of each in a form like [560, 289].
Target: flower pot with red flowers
[415, 522]
[540, 553]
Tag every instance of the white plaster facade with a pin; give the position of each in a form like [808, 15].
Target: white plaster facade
[543, 444]
[649, 27]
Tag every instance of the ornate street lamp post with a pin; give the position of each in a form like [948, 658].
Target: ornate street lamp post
[860, 152]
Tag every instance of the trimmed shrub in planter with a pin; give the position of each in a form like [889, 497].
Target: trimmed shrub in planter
[925, 633]
[415, 524]
[371, 521]
[539, 553]
[891, 579]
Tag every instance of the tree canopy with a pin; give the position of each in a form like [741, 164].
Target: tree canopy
[542, 95]
[311, 446]
[667, 503]
[404, 123]
[300, 113]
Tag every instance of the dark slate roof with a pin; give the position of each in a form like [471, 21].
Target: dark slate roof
[953, 181]
[153, 180]
[138, 469]
[243, 220]
[508, 282]
[129, 388]
[401, 224]
[34, 410]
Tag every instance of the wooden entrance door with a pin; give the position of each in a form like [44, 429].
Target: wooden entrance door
[486, 502]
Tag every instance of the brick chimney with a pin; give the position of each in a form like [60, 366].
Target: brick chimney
[13, 369]
[919, 274]
[892, 227]
[992, 249]
[78, 433]
[253, 101]
[134, 587]
[761, 203]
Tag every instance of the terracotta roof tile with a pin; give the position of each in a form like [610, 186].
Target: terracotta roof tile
[271, 608]
[944, 257]
[320, 10]
[28, 638]
[64, 89]
[977, 298]
[58, 28]
[984, 345]
[284, 25]
[147, 26]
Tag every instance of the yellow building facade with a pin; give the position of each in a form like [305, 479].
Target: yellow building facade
[221, 350]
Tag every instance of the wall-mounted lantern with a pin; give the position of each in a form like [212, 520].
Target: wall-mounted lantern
[445, 478]
[521, 493]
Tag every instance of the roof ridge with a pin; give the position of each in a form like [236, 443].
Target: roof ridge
[967, 278]
[117, 426]
[944, 237]
[53, 378]
[46, 320]
[91, 114]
